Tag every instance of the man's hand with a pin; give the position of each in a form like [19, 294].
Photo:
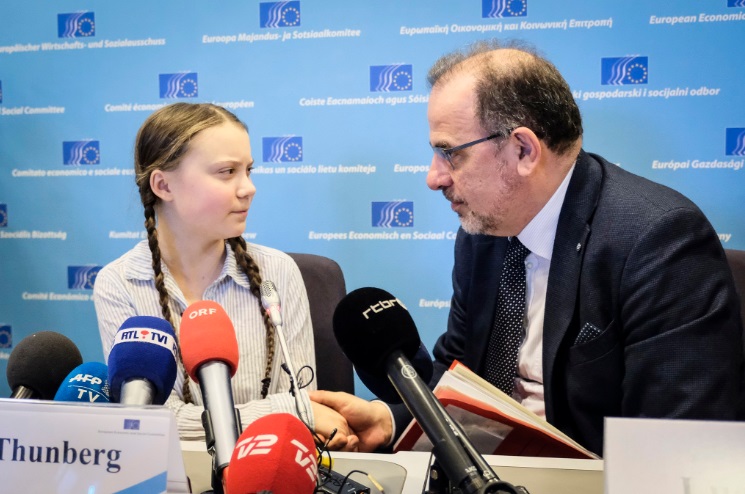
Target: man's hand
[326, 420]
[370, 421]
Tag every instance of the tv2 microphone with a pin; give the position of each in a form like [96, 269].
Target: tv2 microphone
[142, 361]
[379, 336]
[38, 365]
[209, 349]
[275, 453]
[271, 303]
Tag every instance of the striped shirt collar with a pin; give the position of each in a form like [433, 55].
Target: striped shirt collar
[138, 266]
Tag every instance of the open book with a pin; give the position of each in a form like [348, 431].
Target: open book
[494, 422]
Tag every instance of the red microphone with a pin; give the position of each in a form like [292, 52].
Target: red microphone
[207, 334]
[275, 453]
[209, 350]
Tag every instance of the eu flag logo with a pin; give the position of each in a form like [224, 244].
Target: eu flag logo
[282, 149]
[735, 3]
[735, 142]
[393, 214]
[385, 78]
[3, 215]
[82, 277]
[131, 424]
[81, 153]
[504, 8]
[76, 25]
[621, 71]
[279, 14]
[180, 85]
[6, 336]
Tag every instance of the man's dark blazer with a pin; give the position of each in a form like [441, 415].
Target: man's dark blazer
[639, 262]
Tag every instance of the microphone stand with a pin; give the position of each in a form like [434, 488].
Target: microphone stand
[458, 467]
[288, 367]
[217, 376]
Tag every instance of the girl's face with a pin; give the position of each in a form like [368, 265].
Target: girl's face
[209, 193]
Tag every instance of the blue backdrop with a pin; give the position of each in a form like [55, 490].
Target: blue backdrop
[335, 95]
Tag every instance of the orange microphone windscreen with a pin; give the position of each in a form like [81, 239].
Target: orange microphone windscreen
[206, 335]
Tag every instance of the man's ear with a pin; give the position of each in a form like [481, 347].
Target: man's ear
[159, 185]
[528, 150]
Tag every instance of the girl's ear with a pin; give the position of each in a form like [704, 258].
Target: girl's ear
[159, 185]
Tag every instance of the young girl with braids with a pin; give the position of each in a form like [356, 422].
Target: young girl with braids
[193, 170]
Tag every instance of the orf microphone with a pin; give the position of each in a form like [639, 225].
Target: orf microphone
[275, 453]
[209, 349]
[39, 363]
[378, 334]
[142, 361]
[87, 383]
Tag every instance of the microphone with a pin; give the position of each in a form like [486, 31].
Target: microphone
[142, 361]
[39, 363]
[275, 453]
[382, 387]
[87, 383]
[377, 333]
[209, 349]
[270, 302]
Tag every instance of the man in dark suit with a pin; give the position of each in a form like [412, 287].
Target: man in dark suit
[630, 307]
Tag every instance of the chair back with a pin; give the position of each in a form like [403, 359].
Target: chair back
[324, 282]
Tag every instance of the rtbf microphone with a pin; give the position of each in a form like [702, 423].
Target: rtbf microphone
[382, 387]
[87, 383]
[379, 336]
[142, 361]
[209, 349]
[39, 363]
[275, 453]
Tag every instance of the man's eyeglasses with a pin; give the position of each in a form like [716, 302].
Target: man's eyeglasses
[447, 153]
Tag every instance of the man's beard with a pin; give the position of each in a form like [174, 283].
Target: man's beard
[477, 223]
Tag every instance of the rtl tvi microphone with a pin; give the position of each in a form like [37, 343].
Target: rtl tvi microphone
[87, 383]
[142, 361]
[209, 349]
[39, 363]
[377, 333]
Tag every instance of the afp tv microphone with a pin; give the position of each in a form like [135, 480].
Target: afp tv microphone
[87, 383]
[377, 333]
[39, 363]
[142, 361]
[275, 453]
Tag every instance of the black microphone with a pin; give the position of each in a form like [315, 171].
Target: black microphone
[378, 335]
[39, 363]
[382, 387]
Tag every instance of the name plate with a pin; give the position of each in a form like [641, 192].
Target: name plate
[48, 446]
[676, 456]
